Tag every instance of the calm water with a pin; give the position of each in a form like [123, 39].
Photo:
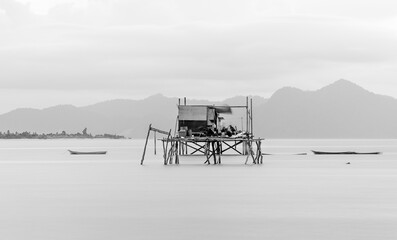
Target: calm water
[48, 194]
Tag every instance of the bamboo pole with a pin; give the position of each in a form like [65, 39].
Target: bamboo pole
[252, 120]
[260, 156]
[247, 116]
[170, 153]
[164, 153]
[176, 125]
[214, 151]
[154, 138]
[250, 152]
[246, 160]
[176, 152]
[158, 130]
[207, 149]
[219, 150]
[246, 126]
[144, 149]
[166, 148]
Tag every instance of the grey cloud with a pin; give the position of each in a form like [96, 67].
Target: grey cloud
[17, 12]
[68, 57]
[165, 12]
[364, 9]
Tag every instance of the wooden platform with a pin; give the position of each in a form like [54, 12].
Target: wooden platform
[211, 147]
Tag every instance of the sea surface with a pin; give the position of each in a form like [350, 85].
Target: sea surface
[48, 194]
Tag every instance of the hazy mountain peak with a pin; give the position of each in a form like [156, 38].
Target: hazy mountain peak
[155, 97]
[61, 107]
[111, 101]
[18, 110]
[241, 100]
[286, 92]
[343, 85]
[344, 82]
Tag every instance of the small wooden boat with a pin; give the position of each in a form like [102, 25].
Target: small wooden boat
[95, 152]
[345, 153]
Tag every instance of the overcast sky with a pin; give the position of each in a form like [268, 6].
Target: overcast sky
[85, 51]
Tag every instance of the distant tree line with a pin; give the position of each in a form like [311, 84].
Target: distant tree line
[57, 135]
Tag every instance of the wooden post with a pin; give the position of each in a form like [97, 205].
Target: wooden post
[166, 148]
[165, 152]
[247, 116]
[176, 152]
[246, 160]
[214, 151]
[154, 138]
[171, 153]
[180, 148]
[144, 149]
[248, 155]
[250, 152]
[252, 120]
[176, 125]
[260, 151]
[219, 150]
[259, 156]
[245, 144]
[206, 151]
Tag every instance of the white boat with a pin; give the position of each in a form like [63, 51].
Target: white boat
[94, 152]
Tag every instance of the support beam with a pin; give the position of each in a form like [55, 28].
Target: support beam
[166, 148]
[199, 149]
[144, 149]
[158, 130]
[232, 147]
[252, 120]
[147, 138]
[154, 138]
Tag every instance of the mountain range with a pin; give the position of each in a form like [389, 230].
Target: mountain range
[339, 110]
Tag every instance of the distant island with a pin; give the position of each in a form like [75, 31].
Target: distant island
[63, 134]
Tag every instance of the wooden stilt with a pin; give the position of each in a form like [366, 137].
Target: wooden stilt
[165, 153]
[219, 151]
[256, 153]
[171, 153]
[250, 152]
[207, 155]
[176, 152]
[246, 160]
[144, 149]
[166, 148]
[181, 148]
[214, 151]
[154, 138]
[260, 152]
[211, 147]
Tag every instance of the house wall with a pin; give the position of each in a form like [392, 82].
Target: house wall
[192, 113]
[196, 118]
[194, 126]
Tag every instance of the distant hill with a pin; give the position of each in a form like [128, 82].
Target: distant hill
[339, 110]
[129, 118]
